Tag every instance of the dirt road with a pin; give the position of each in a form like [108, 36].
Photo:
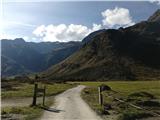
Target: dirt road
[70, 106]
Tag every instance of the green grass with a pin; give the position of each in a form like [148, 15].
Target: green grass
[27, 112]
[133, 115]
[128, 87]
[136, 90]
[26, 90]
[91, 97]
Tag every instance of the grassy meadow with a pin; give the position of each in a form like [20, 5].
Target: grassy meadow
[145, 94]
[26, 89]
[128, 87]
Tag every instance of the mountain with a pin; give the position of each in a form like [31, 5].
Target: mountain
[46, 47]
[91, 35]
[11, 67]
[123, 54]
[22, 53]
[20, 57]
[155, 17]
[57, 55]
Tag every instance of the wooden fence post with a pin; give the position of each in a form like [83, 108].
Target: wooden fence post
[35, 94]
[100, 96]
[44, 94]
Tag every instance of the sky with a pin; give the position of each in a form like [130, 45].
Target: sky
[64, 21]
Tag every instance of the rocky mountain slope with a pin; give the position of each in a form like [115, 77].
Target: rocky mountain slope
[126, 53]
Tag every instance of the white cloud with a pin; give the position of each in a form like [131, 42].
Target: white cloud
[118, 17]
[112, 18]
[155, 1]
[96, 27]
[26, 38]
[39, 31]
[64, 33]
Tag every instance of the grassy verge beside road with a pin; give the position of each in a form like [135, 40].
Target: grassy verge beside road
[26, 89]
[21, 113]
[145, 94]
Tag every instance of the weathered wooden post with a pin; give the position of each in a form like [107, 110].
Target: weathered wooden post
[35, 94]
[100, 95]
[102, 88]
[35, 90]
[44, 94]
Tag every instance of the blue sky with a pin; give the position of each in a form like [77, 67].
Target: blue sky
[69, 21]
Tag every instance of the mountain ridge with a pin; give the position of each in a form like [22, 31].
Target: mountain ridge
[155, 17]
[124, 54]
[20, 57]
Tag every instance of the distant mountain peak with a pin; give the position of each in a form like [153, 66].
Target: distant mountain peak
[20, 57]
[155, 17]
[16, 40]
[19, 40]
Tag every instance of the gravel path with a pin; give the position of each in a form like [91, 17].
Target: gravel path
[70, 106]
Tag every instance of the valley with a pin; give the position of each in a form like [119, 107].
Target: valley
[102, 71]
[23, 58]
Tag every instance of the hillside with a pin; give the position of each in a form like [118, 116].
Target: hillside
[127, 54]
[57, 55]
[20, 57]
[10, 66]
[155, 17]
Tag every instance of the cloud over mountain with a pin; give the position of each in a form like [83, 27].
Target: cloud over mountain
[155, 1]
[63, 32]
[118, 17]
[112, 18]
